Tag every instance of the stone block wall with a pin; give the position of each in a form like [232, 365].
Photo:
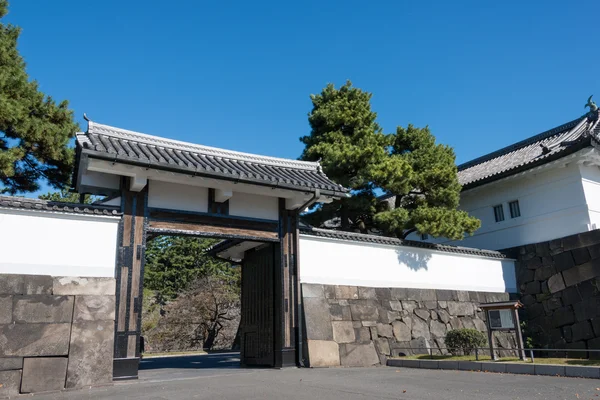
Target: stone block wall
[559, 283]
[55, 332]
[362, 326]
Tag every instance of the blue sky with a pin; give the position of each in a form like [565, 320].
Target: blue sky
[238, 74]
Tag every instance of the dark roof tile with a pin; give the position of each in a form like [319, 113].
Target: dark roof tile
[359, 237]
[24, 203]
[107, 142]
[536, 150]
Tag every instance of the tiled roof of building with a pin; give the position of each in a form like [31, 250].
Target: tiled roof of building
[375, 239]
[536, 150]
[55, 206]
[115, 144]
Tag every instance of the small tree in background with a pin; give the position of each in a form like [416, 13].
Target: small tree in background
[34, 130]
[65, 196]
[175, 262]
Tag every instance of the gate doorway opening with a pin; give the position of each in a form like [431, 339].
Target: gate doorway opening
[196, 302]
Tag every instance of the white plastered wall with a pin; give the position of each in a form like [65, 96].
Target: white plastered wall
[590, 178]
[58, 244]
[176, 196]
[341, 262]
[552, 204]
[254, 206]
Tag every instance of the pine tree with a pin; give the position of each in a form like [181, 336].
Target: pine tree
[34, 130]
[423, 179]
[419, 174]
[346, 139]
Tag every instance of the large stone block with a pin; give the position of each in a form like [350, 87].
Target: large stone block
[346, 292]
[90, 354]
[556, 283]
[564, 261]
[10, 383]
[443, 316]
[10, 363]
[37, 284]
[420, 345]
[363, 334]
[596, 327]
[447, 295]
[358, 355]
[6, 303]
[340, 313]
[581, 255]
[533, 287]
[317, 318]
[437, 329]
[34, 339]
[420, 329]
[68, 285]
[423, 313]
[312, 290]
[43, 374]
[580, 273]
[385, 330]
[409, 306]
[421, 294]
[95, 308]
[582, 331]
[11, 284]
[383, 346]
[343, 331]
[544, 272]
[460, 308]
[323, 353]
[402, 332]
[587, 309]
[43, 309]
[366, 293]
[396, 294]
[363, 312]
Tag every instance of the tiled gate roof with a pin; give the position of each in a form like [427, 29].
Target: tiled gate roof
[115, 144]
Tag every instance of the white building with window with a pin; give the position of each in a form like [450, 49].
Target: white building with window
[542, 188]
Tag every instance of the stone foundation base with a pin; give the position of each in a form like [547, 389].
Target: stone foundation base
[362, 326]
[55, 331]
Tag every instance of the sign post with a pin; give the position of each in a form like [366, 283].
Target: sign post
[503, 316]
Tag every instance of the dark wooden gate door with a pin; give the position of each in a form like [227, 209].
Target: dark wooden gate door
[257, 322]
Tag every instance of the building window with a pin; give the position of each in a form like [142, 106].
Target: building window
[499, 213]
[515, 211]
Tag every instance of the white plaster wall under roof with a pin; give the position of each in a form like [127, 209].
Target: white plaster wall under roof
[590, 178]
[554, 200]
[177, 196]
[57, 244]
[174, 180]
[345, 262]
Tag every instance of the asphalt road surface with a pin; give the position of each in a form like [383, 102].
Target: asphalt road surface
[218, 376]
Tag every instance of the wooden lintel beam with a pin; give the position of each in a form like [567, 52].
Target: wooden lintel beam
[208, 229]
[214, 220]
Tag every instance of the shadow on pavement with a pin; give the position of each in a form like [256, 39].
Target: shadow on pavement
[201, 361]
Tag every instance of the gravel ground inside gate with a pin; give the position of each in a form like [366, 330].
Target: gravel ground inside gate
[216, 376]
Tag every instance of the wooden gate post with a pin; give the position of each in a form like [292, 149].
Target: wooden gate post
[130, 275]
[286, 301]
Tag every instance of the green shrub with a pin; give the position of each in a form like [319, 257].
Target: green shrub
[464, 341]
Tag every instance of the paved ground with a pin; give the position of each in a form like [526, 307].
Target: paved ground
[218, 377]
